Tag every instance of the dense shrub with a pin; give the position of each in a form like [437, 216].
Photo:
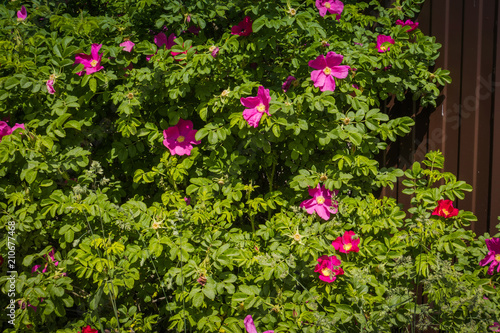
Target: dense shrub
[184, 164]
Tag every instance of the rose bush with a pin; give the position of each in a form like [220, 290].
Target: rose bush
[147, 182]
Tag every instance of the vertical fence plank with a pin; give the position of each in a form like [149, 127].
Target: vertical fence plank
[495, 150]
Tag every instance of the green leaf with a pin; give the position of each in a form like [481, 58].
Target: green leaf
[10, 83]
[93, 84]
[259, 23]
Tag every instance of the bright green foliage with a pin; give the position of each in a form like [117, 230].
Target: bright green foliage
[91, 179]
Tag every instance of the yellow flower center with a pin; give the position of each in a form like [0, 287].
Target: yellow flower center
[225, 93]
[293, 12]
[383, 48]
[327, 5]
[181, 138]
[93, 63]
[326, 271]
[297, 237]
[347, 247]
[212, 48]
[327, 70]
[261, 108]
[320, 200]
[155, 225]
[445, 211]
[497, 257]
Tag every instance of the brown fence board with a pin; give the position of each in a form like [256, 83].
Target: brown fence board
[465, 126]
[494, 203]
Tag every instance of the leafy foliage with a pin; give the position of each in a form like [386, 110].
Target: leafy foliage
[154, 242]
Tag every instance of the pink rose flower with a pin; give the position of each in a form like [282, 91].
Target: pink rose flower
[334, 7]
[408, 23]
[92, 62]
[346, 244]
[326, 69]
[127, 46]
[328, 268]
[495, 327]
[5, 129]
[214, 50]
[179, 139]
[161, 39]
[286, 85]
[250, 326]
[256, 106]
[244, 28]
[493, 256]
[321, 202]
[50, 87]
[22, 14]
[194, 29]
[445, 209]
[381, 39]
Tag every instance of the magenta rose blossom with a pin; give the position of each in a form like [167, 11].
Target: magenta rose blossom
[214, 50]
[92, 62]
[256, 106]
[161, 39]
[5, 129]
[346, 244]
[127, 46]
[328, 268]
[179, 139]
[287, 83]
[381, 39]
[250, 326]
[495, 327]
[445, 209]
[334, 7]
[408, 23]
[321, 202]
[493, 256]
[50, 87]
[326, 68]
[22, 14]
[244, 28]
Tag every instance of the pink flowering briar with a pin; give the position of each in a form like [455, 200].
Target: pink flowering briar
[321, 202]
[408, 23]
[256, 106]
[334, 7]
[92, 62]
[50, 87]
[346, 244]
[250, 326]
[445, 209]
[326, 68]
[328, 268]
[187, 200]
[5, 129]
[179, 139]
[22, 14]
[287, 83]
[127, 46]
[244, 28]
[381, 39]
[493, 256]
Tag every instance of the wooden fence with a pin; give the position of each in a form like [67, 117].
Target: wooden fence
[463, 126]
